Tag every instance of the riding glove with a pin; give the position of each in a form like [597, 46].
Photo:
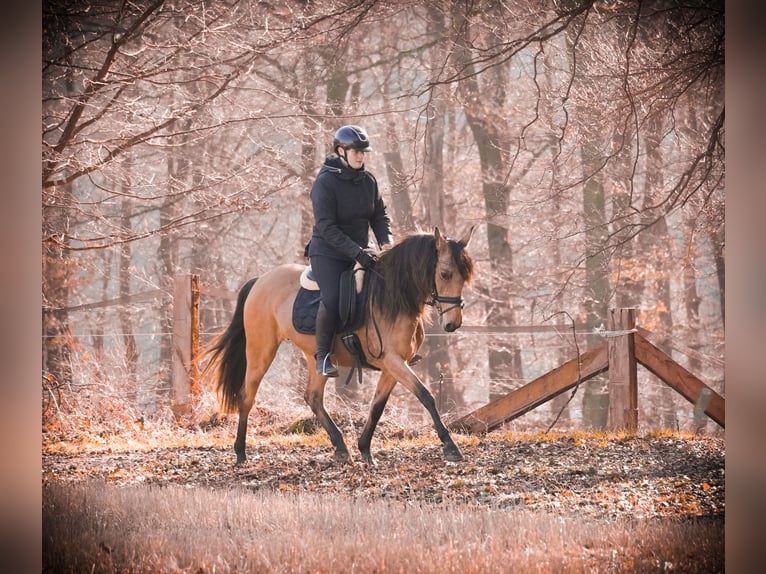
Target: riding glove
[367, 259]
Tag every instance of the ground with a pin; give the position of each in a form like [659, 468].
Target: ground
[660, 475]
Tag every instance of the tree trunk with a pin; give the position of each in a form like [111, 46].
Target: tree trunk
[309, 171]
[400, 196]
[105, 260]
[490, 135]
[654, 242]
[166, 257]
[717, 237]
[594, 405]
[432, 185]
[337, 88]
[125, 314]
[436, 348]
[57, 273]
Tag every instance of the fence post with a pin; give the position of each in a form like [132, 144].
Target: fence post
[623, 381]
[185, 342]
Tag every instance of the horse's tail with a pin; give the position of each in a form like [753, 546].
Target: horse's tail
[227, 355]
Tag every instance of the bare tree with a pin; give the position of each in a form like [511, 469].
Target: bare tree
[146, 76]
[186, 135]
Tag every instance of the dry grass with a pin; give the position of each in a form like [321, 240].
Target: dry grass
[97, 527]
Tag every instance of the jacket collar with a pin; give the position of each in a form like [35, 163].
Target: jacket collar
[337, 166]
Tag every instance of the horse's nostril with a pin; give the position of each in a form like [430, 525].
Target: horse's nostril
[449, 327]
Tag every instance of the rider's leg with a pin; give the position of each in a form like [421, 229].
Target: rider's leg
[327, 272]
[325, 334]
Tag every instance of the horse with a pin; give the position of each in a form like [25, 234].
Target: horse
[422, 269]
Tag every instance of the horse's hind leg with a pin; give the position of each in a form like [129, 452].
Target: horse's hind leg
[259, 359]
[314, 397]
[386, 384]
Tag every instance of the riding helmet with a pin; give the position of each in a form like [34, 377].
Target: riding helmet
[353, 137]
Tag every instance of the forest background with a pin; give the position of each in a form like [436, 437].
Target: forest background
[585, 140]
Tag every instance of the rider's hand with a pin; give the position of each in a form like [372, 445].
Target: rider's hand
[367, 259]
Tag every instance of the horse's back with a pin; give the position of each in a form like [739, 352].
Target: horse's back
[284, 274]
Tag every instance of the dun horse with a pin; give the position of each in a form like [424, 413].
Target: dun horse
[422, 269]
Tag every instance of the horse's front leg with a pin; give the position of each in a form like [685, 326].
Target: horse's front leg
[314, 397]
[386, 384]
[410, 380]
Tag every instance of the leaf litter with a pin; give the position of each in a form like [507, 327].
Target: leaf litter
[607, 476]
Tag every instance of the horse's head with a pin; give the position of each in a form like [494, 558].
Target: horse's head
[454, 268]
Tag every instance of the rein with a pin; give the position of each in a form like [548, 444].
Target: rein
[435, 301]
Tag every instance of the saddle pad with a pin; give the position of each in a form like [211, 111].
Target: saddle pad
[305, 311]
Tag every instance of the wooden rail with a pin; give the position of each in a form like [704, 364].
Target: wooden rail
[678, 378]
[626, 347]
[533, 394]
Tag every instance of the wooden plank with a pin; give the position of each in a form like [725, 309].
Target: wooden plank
[679, 378]
[623, 379]
[193, 367]
[681, 348]
[535, 393]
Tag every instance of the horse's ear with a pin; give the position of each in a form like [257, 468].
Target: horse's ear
[467, 237]
[440, 239]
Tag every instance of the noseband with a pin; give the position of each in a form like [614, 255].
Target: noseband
[437, 300]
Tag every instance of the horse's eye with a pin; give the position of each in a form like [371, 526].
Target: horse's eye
[446, 275]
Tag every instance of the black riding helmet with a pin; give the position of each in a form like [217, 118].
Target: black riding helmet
[353, 137]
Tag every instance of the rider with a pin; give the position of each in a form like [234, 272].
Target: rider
[346, 203]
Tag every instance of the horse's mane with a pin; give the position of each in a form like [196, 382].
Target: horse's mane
[403, 278]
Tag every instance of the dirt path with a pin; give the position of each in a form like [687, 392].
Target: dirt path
[636, 476]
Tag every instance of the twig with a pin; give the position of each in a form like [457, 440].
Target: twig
[579, 372]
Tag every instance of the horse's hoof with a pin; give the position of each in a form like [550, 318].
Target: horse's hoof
[342, 457]
[368, 460]
[241, 451]
[452, 453]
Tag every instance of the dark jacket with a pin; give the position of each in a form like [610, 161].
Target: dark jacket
[347, 204]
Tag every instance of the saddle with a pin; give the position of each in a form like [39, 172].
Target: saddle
[351, 311]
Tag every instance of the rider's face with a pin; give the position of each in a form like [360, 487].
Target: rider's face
[355, 158]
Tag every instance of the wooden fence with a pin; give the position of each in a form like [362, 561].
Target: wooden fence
[627, 347]
[186, 295]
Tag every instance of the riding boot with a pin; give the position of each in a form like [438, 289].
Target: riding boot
[325, 335]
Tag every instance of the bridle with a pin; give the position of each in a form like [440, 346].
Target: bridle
[436, 301]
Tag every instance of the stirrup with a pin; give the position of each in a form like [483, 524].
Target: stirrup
[326, 368]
